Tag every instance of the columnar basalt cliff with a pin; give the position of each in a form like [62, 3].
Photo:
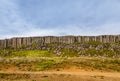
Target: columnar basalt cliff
[20, 41]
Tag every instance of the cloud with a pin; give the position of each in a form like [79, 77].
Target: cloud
[109, 28]
[41, 18]
[11, 23]
[106, 29]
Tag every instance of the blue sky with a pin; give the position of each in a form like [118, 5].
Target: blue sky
[59, 17]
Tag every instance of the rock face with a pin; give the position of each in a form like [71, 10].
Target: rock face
[18, 42]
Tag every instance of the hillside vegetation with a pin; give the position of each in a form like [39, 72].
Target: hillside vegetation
[86, 56]
[89, 55]
[91, 49]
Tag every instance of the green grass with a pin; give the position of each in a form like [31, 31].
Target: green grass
[93, 43]
[63, 53]
[45, 65]
[48, 64]
[25, 53]
[31, 53]
[69, 53]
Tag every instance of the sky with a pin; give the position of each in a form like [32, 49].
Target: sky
[24, 18]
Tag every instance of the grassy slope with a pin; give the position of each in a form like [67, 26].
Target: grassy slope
[57, 63]
[44, 60]
[36, 60]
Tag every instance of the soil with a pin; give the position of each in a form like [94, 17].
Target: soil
[62, 75]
